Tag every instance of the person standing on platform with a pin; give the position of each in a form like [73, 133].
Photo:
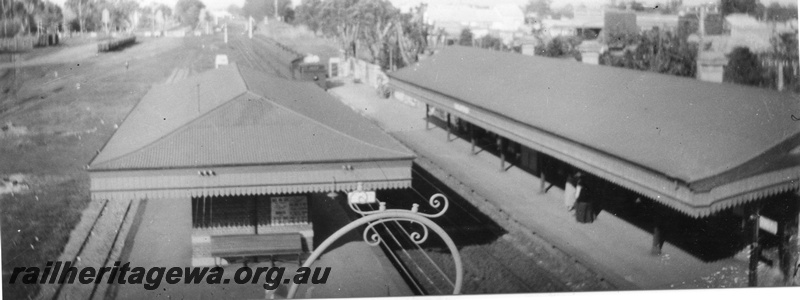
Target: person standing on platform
[572, 190]
[584, 204]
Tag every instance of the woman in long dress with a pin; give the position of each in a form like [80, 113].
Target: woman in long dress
[571, 191]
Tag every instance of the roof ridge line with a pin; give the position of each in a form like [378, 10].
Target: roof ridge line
[334, 129]
[241, 78]
[152, 88]
[176, 130]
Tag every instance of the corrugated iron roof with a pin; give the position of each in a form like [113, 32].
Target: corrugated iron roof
[680, 128]
[236, 116]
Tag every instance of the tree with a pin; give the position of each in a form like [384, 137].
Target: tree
[308, 13]
[637, 6]
[85, 9]
[258, 9]
[490, 42]
[378, 16]
[560, 47]
[539, 7]
[390, 37]
[165, 10]
[739, 6]
[743, 68]
[188, 12]
[29, 16]
[288, 15]
[654, 51]
[782, 57]
[235, 10]
[123, 13]
[780, 13]
[466, 37]
[566, 12]
[412, 34]
[69, 16]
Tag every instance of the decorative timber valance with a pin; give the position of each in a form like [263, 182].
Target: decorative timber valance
[249, 180]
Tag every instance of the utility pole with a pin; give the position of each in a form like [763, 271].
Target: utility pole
[702, 23]
[80, 14]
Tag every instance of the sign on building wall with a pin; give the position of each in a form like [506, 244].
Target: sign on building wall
[289, 210]
[461, 108]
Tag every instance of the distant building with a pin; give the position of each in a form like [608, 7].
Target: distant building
[503, 21]
[711, 66]
[618, 22]
[590, 24]
[740, 30]
[591, 51]
[648, 21]
[689, 23]
[528, 45]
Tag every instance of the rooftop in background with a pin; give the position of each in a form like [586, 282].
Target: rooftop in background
[745, 31]
[454, 17]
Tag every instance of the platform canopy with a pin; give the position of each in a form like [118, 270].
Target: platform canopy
[235, 131]
[695, 146]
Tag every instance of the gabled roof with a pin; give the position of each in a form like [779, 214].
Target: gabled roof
[234, 116]
[646, 128]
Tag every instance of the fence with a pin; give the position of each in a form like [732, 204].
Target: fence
[25, 43]
[781, 74]
[367, 72]
[115, 44]
[372, 75]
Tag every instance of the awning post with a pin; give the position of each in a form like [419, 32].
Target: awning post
[658, 230]
[755, 249]
[472, 137]
[658, 239]
[427, 110]
[542, 178]
[502, 153]
[787, 231]
[255, 213]
[448, 127]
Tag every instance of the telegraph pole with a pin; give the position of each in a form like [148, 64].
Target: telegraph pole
[80, 14]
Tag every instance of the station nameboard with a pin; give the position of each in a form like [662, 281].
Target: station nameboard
[461, 108]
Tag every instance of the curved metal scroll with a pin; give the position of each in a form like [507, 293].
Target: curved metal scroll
[382, 215]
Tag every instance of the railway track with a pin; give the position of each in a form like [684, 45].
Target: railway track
[108, 226]
[491, 265]
[260, 55]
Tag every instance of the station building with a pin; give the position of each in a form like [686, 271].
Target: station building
[244, 155]
[691, 157]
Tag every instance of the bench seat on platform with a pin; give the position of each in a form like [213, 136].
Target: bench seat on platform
[254, 246]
